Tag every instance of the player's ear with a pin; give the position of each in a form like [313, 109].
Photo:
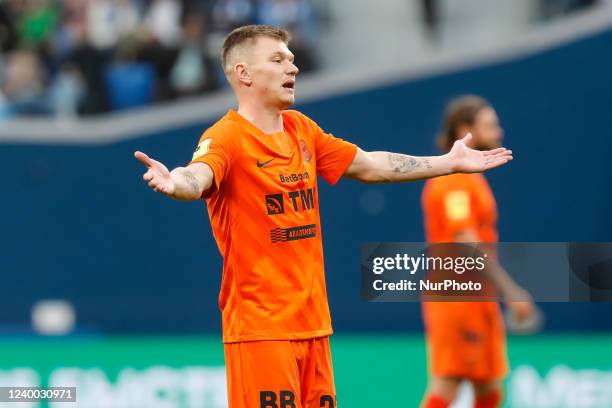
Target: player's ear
[243, 74]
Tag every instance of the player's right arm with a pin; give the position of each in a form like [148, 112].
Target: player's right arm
[182, 183]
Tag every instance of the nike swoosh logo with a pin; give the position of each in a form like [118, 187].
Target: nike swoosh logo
[262, 164]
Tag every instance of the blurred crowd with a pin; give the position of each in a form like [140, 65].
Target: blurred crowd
[81, 57]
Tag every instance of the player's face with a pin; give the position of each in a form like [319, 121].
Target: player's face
[486, 130]
[273, 73]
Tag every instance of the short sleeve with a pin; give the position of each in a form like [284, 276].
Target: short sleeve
[333, 155]
[214, 151]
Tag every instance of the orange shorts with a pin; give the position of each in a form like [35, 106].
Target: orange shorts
[280, 374]
[465, 340]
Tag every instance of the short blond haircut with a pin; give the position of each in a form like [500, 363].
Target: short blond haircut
[243, 34]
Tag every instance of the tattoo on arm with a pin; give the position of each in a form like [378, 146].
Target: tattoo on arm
[191, 180]
[401, 163]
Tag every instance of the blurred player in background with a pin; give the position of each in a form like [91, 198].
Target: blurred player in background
[256, 169]
[466, 340]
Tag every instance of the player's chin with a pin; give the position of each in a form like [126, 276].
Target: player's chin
[286, 101]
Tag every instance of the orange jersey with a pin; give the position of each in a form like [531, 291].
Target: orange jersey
[264, 213]
[464, 339]
[456, 203]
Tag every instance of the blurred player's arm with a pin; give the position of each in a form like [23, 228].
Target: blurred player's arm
[516, 298]
[386, 167]
[182, 183]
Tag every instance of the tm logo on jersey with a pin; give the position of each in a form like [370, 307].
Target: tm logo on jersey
[301, 200]
[275, 204]
[293, 233]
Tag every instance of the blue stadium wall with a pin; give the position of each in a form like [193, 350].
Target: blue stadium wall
[77, 222]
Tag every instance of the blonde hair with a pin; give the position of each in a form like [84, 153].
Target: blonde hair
[250, 32]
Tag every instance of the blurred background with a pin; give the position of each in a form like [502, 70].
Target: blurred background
[113, 288]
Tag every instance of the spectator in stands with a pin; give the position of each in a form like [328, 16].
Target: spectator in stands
[71, 28]
[160, 42]
[23, 83]
[162, 19]
[37, 21]
[108, 21]
[66, 92]
[194, 70]
[89, 62]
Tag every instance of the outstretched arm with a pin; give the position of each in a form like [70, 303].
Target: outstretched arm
[182, 183]
[386, 167]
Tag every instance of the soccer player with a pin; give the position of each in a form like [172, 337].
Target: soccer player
[466, 340]
[256, 169]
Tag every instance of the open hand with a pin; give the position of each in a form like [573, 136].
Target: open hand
[157, 174]
[468, 160]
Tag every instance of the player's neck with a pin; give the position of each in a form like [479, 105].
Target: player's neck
[268, 120]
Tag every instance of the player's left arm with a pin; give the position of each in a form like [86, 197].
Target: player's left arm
[516, 297]
[387, 167]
